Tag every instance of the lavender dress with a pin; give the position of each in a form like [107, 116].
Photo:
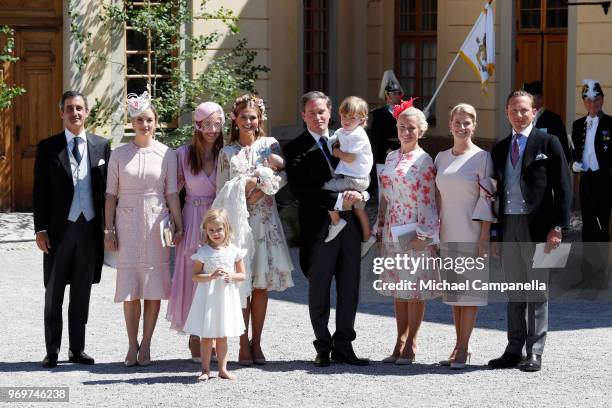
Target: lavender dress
[200, 190]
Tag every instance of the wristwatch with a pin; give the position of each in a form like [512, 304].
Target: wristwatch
[557, 228]
[109, 231]
[421, 238]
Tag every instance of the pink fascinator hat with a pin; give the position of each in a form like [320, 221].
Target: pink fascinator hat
[204, 110]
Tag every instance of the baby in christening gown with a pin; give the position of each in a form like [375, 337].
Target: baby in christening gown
[267, 179]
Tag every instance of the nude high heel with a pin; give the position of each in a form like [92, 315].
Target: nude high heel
[461, 366]
[447, 362]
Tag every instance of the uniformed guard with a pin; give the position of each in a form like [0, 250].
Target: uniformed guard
[592, 159]
[382, 129]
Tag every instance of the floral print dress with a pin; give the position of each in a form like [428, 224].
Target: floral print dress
[407, 185]
[271, 264]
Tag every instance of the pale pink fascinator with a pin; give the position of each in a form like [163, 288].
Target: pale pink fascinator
[204, 110]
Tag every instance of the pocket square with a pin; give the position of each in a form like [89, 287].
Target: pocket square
[577, 167]
[541, 156]
[101, 162]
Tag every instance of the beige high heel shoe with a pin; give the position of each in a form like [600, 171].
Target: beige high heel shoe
[461, 366]
[131, 363]
[389, 360]
[144, 363]
[447, 362]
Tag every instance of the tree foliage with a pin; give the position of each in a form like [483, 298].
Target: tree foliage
[226, 75]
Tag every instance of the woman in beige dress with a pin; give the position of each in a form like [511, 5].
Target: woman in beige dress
[142, 179]
[464, 183]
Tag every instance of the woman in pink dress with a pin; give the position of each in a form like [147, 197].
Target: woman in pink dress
[197, 172]
[140, 188]
[407, 184]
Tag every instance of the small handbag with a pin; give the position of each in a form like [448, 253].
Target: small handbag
[167, 230]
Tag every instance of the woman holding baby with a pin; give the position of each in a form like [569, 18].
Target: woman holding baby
[255, 158]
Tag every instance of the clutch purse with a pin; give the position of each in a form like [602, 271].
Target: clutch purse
[167, 229]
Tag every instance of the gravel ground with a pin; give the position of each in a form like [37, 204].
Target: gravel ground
[576, 363]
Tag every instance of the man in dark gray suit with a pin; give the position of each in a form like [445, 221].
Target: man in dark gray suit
[534, 192]
[69, 186]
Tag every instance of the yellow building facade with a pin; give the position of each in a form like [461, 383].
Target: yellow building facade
[339, 46]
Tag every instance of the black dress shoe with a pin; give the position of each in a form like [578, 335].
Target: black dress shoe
[507, 360]
[322, 360]
[80, 357]
[532, 363]
[349, 358]
[50, 361]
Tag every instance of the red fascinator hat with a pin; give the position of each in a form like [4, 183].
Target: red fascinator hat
[397, 109]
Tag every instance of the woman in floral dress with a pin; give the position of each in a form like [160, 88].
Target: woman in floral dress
[270, 264]
[408, 196]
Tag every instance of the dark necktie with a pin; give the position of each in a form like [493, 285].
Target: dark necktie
[328, 157]
[515, 152]
[75, 149]
[323, 144]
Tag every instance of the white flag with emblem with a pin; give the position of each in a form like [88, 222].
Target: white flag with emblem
[478, 49]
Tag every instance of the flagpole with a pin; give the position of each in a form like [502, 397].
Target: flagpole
[433, 98]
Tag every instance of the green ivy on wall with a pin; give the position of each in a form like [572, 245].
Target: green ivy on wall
[227, 74]
[8, 93]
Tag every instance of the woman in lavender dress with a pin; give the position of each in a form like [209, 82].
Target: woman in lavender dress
[197, 173]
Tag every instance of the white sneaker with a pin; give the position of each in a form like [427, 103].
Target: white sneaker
[366, 246]
[334, 230]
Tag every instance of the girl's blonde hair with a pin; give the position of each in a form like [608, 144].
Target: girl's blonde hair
[218, 216]
[354, 106]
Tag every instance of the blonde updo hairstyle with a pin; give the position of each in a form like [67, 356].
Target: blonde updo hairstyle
[419, 115]
[463, 108]
[243, 102]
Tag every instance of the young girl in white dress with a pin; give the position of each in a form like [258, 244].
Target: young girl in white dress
[216, 313]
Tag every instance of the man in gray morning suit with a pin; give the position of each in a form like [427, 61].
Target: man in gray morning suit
[534, 193]
[69, 186]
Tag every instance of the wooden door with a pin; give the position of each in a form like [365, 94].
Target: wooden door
[541, 49]
[6, 148]
[555, 72]
[36, 113]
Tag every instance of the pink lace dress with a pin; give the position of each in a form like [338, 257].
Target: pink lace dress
[141, 177]
[200, 189]
[407, 184]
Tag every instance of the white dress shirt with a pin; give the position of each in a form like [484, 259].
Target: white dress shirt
[589, 158]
